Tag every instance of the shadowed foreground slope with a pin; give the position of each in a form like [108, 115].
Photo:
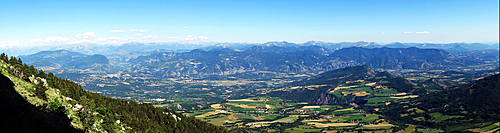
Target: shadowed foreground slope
[18, 115]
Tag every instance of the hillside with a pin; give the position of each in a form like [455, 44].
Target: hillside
[346, 85]
[201, 63]
[63, 106]
[453, 109]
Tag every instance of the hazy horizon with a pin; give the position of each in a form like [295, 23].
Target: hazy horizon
[37, 23]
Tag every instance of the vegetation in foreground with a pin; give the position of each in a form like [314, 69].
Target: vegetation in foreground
[91, 112]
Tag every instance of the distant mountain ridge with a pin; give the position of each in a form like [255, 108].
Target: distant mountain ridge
[187, 46]
[396, 58]
[277, 57]
[64, 59]
[200, 63]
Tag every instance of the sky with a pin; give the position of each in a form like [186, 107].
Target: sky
[39, 23]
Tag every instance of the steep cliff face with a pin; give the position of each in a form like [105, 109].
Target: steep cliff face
[325, 99]
[18, 115]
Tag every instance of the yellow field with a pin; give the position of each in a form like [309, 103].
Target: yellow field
[299, 115]
[401, 94]
[371, 84]
[315, 120]
[215, 106]
[412, 96]
[409, 129]
[243, 100]
[348, 109]
[302, 75]
[316, 86]
[385, 124]
[296, 87]
[344, 87]
[315, 124]
[310, 107]
[212, 113]
[363, 93]
[241, 105]
[269, 106]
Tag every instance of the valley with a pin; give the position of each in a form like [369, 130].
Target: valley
[296, 90]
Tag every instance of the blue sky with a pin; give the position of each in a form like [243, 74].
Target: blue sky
[33, 23]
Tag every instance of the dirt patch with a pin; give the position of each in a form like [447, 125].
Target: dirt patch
[233, 117]
[216, 106]
[310, 107]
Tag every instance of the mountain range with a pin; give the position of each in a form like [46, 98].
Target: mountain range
[187, 46]
[276, 57]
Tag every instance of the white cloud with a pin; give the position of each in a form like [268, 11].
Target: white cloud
[9, 43]
[189, 36]
[423, 32]
[185, 27]
[79, 41]
[139, 30]
[85, 35]
[173, 37]
[139, 34]
[149, 36]
[100, 39]
[59, 38]
[117, 31]
[36, 40]
[117, 38]
[50, 39]
[202, 37]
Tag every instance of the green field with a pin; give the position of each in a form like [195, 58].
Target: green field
[199, 112]
[492, 126]
[354, 117]
[303, 129]
[379, 99]
[271, 117]
[370, 118]
[438, 117]
[430, 131]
